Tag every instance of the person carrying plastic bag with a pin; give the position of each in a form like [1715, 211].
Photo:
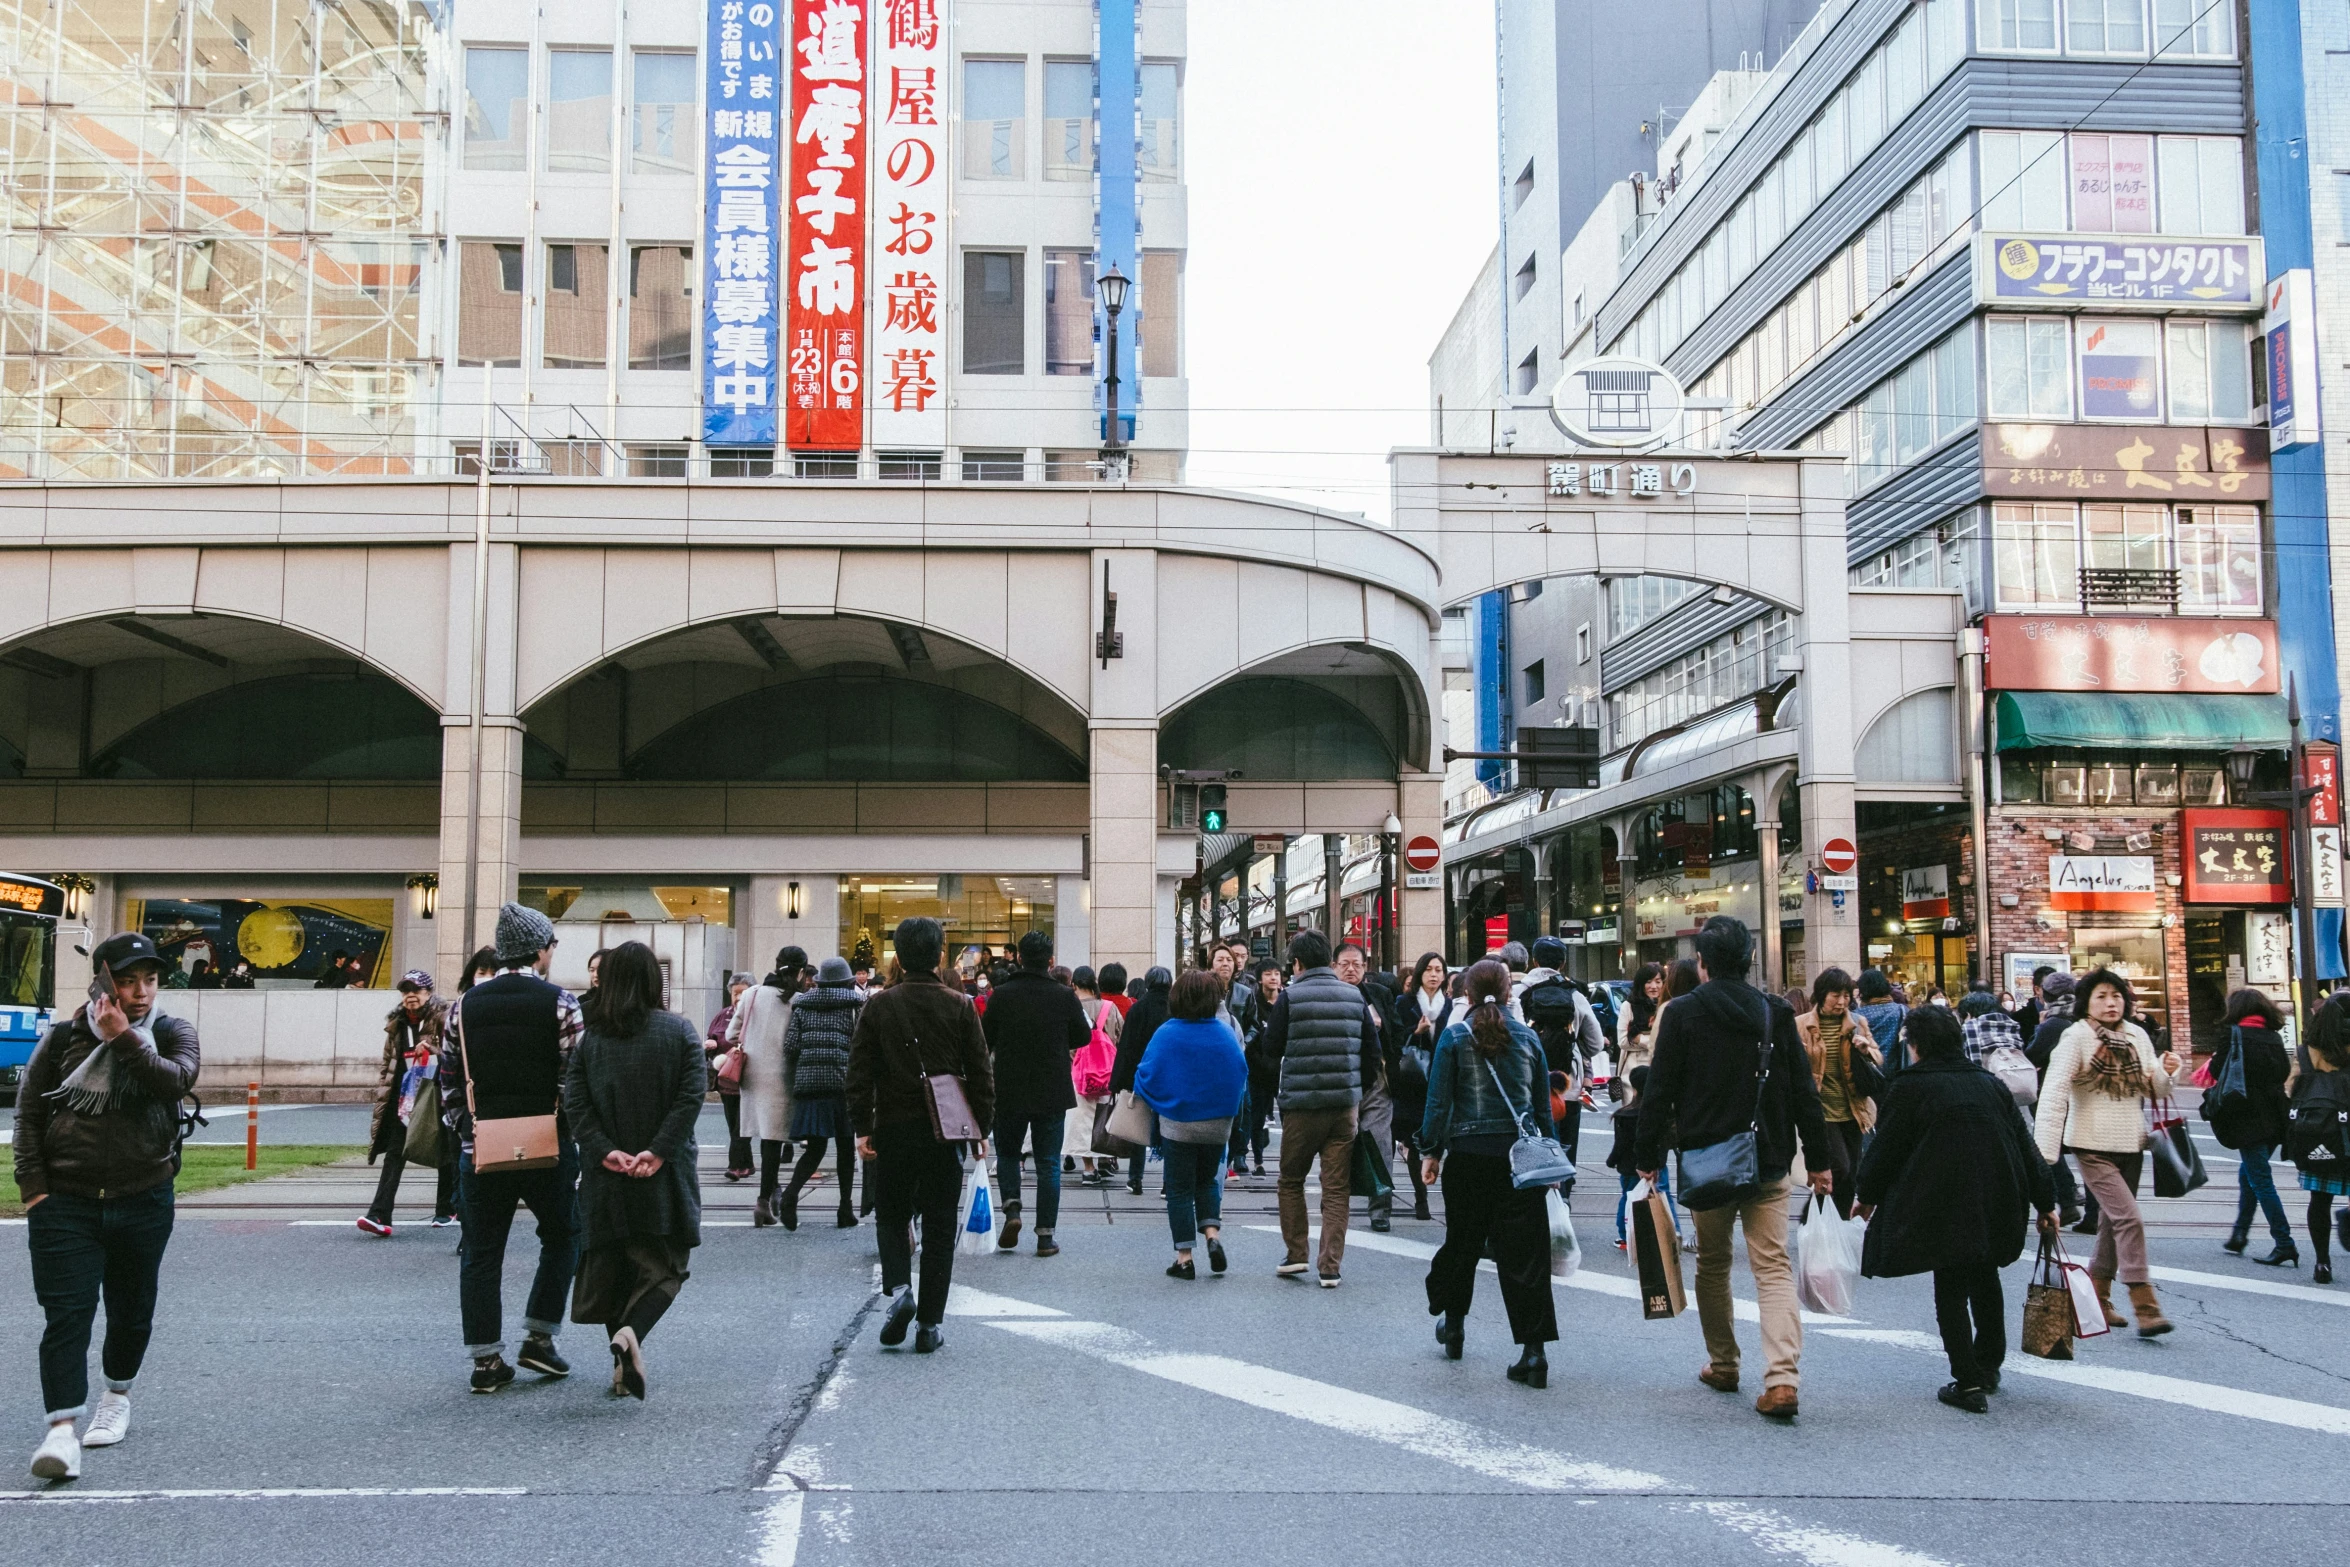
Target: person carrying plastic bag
[1827, 1258]
[1946, 1186]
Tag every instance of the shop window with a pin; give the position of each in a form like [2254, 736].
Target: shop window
[664, 127]
[497, 106]
[2158, 783]
[994, 327]
[579, 110]
[1069, 150]
[2109, 783]
[995, 123]
[2121, 370]
[573, 329]
[2064, 783]
[2019, 780]
[661, 307]
[2203, 784]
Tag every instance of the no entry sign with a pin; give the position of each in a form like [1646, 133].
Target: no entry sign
[1422, 853]
[1838, 856]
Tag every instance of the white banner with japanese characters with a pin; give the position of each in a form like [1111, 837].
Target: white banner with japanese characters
[907, 261]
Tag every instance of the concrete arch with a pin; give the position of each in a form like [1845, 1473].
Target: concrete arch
[1902, 729]
[382, 607]
[1358, 674]
[581, 607]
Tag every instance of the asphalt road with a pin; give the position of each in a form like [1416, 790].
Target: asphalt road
[305, 1401]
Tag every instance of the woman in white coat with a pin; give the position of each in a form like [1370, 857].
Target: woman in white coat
[758, 1026]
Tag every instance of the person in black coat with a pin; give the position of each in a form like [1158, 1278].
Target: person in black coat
[1034, 1024]
[1141, 1022]
[2255, 1126]
[1945, 1185]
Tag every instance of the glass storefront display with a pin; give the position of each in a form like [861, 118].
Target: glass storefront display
[1920, 960]
[977, 911]
[2132, 951]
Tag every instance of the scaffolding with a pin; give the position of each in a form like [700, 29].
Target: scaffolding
[219, 246]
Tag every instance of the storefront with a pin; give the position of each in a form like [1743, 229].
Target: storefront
[1917, 893]
[2239, 894]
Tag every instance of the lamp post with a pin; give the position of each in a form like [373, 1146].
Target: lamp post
[1391, 932]
[1113, 289]
[2295, 800]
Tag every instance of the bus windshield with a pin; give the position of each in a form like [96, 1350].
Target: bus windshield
[28, 960]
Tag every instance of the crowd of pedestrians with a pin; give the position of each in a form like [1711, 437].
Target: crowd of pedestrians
[1950, 1130]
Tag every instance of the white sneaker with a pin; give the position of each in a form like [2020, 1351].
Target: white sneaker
[59, 1457]
[111, 1422]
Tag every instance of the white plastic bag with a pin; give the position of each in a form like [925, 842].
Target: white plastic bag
[1828, 1259]
[1566, 1253]
[976, 1215]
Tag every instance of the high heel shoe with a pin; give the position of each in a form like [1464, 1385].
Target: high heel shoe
[2236, 1244]
[2282, 1253]
[1452, 1333]
[2323, 1273]
[1533, 1368]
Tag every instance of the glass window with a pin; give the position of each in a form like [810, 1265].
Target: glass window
[1866, 96]
[2202, 784]
[1069, 151]
[1954, 383]
[742, 462]
[824, 465]
[1796, 168]
[2121, 370]
[995, 125]
[994, 331]
[489, 304]
[663, 135]
[2025, 26]
[1161, 327]
[997, 467]
[657, 462]
[2219, 560]
[2037, 549]
[661, 307]
[1068, 312]
[1832, 155]
[1158, 146]
[2190, 28]
[2064, 782]
[2113, 184]
[2201, 182]
[2105, 26]
[2158, 783]
[1945, 37]
[2024, 181]
[1913, 409]
[579, 109]
[573, 331]
[2125, 538]
[907, 465]
[2026, 369]
[497, 106]
[1905, 66]
[1072, 467]
[2019, 780]
[2109, 783]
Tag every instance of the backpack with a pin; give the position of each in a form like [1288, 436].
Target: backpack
[2317, 1124]
[1090, 1068]
[2014, 1069]
[2228, 1102]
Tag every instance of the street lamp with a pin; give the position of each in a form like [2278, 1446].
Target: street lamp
[1113, 290]
[1391, 937]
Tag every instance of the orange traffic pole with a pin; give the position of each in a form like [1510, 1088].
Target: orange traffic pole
[252, 1126]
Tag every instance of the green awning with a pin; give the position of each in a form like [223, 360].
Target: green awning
[2139, 721]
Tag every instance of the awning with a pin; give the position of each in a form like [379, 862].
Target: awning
[2140, 721]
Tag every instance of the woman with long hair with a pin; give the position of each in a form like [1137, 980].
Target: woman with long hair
[632, 1093]
[816, 1061]
[2255, 1126]
[2102, 1076]
[1420, 1016]
[1489, 1079]
[760, 1019]
[1636, 1026]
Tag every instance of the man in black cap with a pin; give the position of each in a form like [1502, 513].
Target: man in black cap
[97, 1148]
[513, 1035]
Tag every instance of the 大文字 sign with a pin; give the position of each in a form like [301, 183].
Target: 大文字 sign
[2138, 653]
[2089, 462]
[2236, 857]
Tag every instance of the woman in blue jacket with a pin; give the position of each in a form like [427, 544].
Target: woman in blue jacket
[1194, 1075]
[1488, 1073]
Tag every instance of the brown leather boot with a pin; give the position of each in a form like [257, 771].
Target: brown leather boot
[1719, 1381]
[1778, 1403]
[2104, 1283]
[2151, 1322]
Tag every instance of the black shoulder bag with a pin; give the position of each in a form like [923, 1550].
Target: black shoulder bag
[1728, 1171]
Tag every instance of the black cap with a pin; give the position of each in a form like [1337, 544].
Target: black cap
[122, 951]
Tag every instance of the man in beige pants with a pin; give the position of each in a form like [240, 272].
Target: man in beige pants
[1320, 1036]
[1728, 1062]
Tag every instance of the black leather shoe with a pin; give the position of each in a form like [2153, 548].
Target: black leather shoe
[928, 1337]
[1183, 1268]
[1380, 1223]
[1217, 1261]
[2087, 1226]
[901, 1317]
[1452, 1333]
[2323, 1273]
[1970, 1399]
[2279, 1254]
[1533, 1367]
[1009, 1238]
[538, 1354]
[2236, 1243]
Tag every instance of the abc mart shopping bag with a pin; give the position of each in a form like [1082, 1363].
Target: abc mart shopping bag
[977, 1216]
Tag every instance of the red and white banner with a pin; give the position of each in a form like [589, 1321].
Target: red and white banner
[2119, 883]
[908, 270]
[1925, 892]
[824, 336]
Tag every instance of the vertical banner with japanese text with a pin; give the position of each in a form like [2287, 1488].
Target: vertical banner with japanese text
[740, 350]
[824, 392]
[909, 213]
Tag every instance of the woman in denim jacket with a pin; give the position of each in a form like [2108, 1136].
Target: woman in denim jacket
[1488, 1073]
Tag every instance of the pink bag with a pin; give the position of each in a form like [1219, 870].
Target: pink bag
[1090, 1068]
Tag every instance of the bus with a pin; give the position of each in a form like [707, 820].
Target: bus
[29, 911]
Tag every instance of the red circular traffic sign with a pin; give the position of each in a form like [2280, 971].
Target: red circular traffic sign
[1838, 856]
[1423, 853]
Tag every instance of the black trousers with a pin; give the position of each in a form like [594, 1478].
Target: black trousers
[1480, 1205]
[1846, 1136]
[1972, 1315]
[395, 1160]
[738, 1147]
[812, 1159]
[914, 1174]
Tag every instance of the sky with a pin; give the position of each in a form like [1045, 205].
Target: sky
[1341, 167]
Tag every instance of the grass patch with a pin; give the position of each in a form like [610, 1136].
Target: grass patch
[207, 1169]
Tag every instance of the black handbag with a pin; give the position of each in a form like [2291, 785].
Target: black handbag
[1722, 1173]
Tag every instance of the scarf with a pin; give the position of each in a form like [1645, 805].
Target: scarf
[91, 1089]
[2115, 1068]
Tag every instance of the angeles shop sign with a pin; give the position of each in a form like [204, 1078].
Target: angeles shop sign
[2104, 883]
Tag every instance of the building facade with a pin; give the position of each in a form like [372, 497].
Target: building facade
[361, 240]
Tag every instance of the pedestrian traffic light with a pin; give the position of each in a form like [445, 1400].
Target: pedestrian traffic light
[1211, 807]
